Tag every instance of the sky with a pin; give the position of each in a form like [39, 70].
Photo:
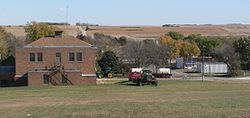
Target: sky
[126, 12]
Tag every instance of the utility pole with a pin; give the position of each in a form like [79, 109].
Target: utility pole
[202, 69]
[209, 60]
[170, 58]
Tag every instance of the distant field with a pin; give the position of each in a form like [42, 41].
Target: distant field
[151, 32]
[155, 32]
[176, 98]
[19, 30]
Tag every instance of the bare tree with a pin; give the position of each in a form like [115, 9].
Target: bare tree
[142, 54]
[132, 54]
[227, 54]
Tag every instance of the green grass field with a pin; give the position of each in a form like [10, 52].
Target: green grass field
[174, 98]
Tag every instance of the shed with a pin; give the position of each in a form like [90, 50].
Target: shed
[213, 68]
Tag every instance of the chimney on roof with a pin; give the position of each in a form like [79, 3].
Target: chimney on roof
[58, 34]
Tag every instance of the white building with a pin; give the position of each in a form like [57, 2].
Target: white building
[179, 63]
[192, 62]
[213, 68]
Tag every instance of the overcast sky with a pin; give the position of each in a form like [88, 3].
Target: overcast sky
[126, 12]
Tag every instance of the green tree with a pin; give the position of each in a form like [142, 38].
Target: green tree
[172, 44]
[188, 49]
[203, 42]
[36, 31]
[180, 47]
[109, 60]
[242, 46]
[175, 35]
[8, 44]
[3, 49]
[3, 44]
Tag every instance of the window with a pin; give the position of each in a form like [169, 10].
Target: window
[39, 57]
[58, 54]
[46, 79]
[71, 56]
[58, 59]
[79, 56]
[32, 57]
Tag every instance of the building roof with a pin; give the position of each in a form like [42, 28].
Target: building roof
[67, 41]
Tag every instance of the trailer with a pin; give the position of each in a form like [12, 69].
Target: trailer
[163, 73]
[212, 68]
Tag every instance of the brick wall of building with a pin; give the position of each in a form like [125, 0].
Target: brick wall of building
[87, 66]
[74, 78]
[23, 65]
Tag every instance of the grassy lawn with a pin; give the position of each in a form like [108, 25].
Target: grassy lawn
[175, 98]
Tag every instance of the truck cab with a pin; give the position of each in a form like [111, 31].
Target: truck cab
[134, 74]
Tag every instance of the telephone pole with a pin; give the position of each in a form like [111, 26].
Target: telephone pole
[202, 69]
[170, 58]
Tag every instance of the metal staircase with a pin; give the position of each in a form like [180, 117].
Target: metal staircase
[55, 70]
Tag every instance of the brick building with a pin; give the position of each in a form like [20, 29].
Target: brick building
[56, 60]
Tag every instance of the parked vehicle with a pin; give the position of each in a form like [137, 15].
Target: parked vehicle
[147, 78]
[107, 72]
[163, 73]
[134, 74]
[136, 70]
[142, 76]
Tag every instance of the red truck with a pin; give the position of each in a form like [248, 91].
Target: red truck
[135, 73]
[133, 76]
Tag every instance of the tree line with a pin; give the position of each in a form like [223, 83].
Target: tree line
[234, 51]
[127, 53]
[8, 44]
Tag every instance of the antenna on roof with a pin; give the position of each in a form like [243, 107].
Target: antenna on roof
[67, 8]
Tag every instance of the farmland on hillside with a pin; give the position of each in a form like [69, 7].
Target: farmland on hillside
[151, 32]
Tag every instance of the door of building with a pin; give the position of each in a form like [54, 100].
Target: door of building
[58, 59]
[64, 80]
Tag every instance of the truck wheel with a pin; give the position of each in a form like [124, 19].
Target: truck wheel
[156, 83]
[99, 76]
[110, 75]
